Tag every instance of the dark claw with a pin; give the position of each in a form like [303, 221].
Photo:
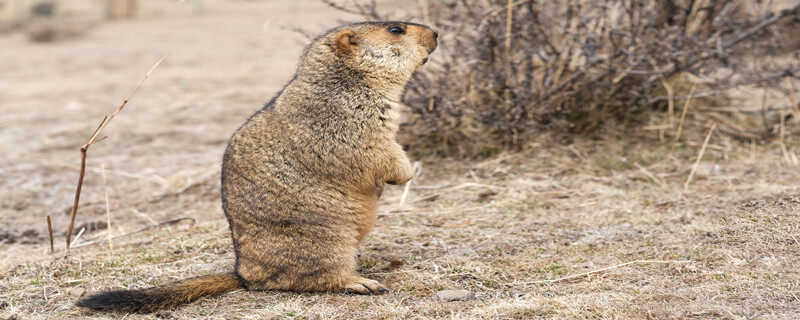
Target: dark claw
[380, 189]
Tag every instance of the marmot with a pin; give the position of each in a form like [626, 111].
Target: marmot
[301, 178]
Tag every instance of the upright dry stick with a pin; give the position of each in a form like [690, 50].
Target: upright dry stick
[426, 17]
[683, 114]
[699, 157]
[670, 102]
[782, 132]
[92, 139]
[792, 100]
[680, 123]
[50, 233]
[417, 173]
[509, 20]
[108, 209]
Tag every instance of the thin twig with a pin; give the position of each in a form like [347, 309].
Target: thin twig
[601, 270]
[680, 123]
[150, 227]
[433, 187]
[78, 236]
[658, 127]
[761, 25]
[108, 209]
[426, 17]
[86, 146]
[792, 100]
[495, 11]
[793, 73]
[212, 310]
[655, 179]
[576, 152]
[50, 233]
[782, 132]
[743, 110]
[509, 20]
[154, 178]
[670, 102]
[299, 31]
[683, 113]
[341, 7]
[622, 75]
[476, 185]
[699, 156]
[417, 172]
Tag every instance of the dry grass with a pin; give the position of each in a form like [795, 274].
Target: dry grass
[548, 215]
[495, 227]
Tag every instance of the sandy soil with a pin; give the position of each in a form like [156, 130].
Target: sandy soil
[511, 229]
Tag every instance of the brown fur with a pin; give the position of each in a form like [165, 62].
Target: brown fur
[301, 178]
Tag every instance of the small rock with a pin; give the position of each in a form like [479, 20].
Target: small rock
[486, 195]
[455, 295]
[737, 261]
[769, 261]
[76, 292]
[164, 314]
[515, 293]
[483, 295]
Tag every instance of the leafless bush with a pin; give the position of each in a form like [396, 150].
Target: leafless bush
[507, 70]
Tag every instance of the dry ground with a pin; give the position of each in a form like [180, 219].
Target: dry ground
[728, 247]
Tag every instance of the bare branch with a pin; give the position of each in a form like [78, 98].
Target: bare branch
[761, 25]
[85, 148]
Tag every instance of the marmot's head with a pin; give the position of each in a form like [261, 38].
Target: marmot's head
[384, 51]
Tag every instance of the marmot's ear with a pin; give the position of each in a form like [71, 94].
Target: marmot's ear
[345, 40]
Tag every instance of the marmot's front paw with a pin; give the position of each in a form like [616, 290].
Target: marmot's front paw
[401, 181]
[405, 174]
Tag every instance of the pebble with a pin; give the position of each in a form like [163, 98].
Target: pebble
[455, 295]
[76, 292]
[164, 314]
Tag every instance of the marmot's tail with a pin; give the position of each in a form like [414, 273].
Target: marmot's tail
[162, 297]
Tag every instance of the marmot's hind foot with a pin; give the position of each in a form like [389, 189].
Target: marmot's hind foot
[361, 285]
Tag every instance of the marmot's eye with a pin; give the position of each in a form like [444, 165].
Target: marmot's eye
[396, 30]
